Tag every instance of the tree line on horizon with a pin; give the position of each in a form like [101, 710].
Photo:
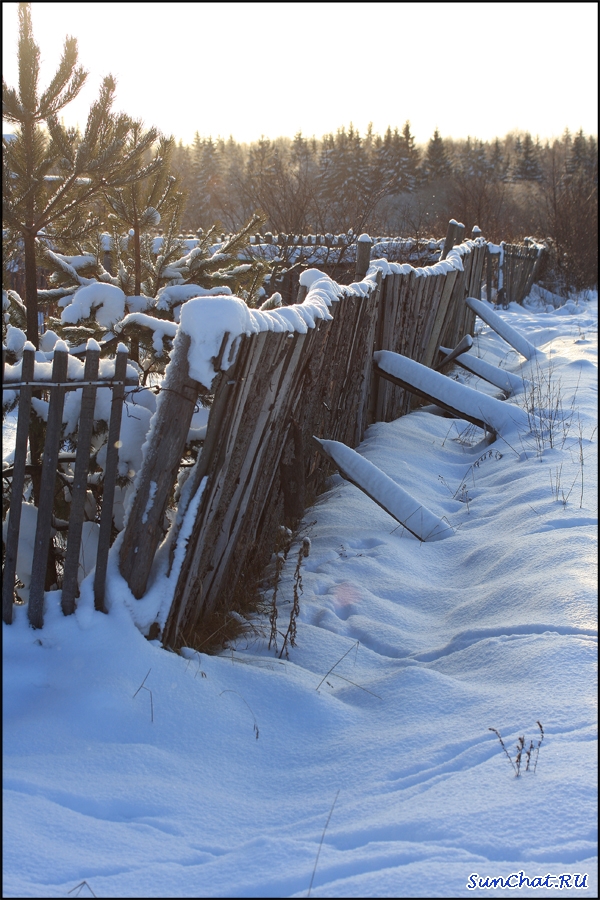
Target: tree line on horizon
[510, 187]
[65, 191]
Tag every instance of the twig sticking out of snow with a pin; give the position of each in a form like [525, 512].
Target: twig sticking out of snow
[143, 687]
[229, 691]
[321, 843]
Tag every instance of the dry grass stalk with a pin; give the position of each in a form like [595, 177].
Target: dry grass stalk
[290, 634]
[520, 747]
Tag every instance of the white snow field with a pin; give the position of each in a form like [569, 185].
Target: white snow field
[363, 765]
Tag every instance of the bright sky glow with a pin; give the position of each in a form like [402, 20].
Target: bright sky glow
[252, 69]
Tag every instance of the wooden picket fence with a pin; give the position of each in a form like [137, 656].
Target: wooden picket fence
[29, 382]
[520, 268]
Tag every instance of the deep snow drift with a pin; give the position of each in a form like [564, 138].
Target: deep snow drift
[145, 773]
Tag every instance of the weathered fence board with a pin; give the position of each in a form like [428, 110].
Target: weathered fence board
[18, 482]
[80, 483]
[41, 544]
[441, 316]
[110, 476]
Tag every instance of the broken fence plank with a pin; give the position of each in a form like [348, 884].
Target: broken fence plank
[461, 401]
[373, 482]
[450, 355]
[506, 331]
[500, 378]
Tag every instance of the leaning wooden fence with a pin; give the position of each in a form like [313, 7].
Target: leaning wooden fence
[29, 378]
[258, 462]
[258, 467]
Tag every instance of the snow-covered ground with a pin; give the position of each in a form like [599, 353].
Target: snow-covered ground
[218, 777]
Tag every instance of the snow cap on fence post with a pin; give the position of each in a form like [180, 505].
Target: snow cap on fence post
[363, 256]
[206, 320]
[451, 237]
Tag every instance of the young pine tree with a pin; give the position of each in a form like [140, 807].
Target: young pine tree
[51, 175]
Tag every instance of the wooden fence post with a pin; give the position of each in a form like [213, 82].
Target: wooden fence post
[154, 482]
[79, 488]
[16, 493]
[302, 292]
[363, 256]
[44, 514]
[451, 238]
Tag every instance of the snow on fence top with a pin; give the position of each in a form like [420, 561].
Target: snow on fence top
[208, 320]
[452, 261]
[75, 367]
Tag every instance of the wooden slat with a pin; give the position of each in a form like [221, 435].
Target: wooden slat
[440, 318]
[488, 276]
[394, 340]
[70, 587]
[405, 326]
[16, 493]
[424, 315]
[416, 301]
[430, 318]
[110, 479]
[44, 515]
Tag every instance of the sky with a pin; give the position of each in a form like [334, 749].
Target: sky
[364, 764]
[273, 69]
